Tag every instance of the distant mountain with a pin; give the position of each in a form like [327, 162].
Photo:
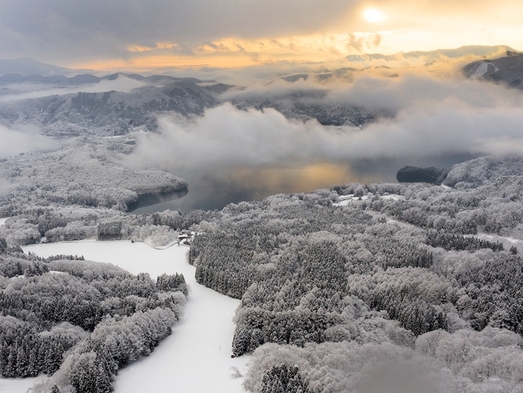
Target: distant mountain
[430, 56]
[118, 112]
[111, 112]
[310, 104]
[83, 79]
[54, 80]
[25, 66]
[507, 70]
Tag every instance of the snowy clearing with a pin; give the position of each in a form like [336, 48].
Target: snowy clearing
[2, 222]
[344, 200]
[18, 385]
[196, 357]
[507, 241]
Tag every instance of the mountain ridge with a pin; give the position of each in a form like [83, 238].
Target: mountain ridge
[507, 69]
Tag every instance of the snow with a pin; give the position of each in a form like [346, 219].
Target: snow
[344, 200]
[394, 197]
[18, 385]
[480, 70]
[2, 222]
[507, 241]
[196, 357]
[483, 69]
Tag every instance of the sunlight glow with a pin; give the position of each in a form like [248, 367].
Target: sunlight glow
[374, 15]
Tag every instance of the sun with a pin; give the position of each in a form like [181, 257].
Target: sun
[373, 15]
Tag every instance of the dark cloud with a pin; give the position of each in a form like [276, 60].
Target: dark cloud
[72, 29]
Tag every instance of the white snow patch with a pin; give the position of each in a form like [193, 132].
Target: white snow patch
[482, 69]
[446, 187]
[2, 221]
[394, 197]
[196, 357]
[344, 200]
[508, 242]
[18, 385]
[497, 238]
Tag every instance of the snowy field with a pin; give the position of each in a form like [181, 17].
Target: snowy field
[507, 241]
[344, 200]
[17, 385]
[196, 357]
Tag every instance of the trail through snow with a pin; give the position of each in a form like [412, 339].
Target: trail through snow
[196, 357]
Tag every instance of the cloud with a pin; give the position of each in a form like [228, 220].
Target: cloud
[79, 29]
[230, 153]
[363, 42]
[24, 140]
[70, 32]
[424, 91]
[26, 91]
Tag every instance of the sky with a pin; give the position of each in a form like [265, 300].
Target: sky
[147, 34]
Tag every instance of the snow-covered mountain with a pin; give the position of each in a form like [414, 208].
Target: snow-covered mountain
[428, 57]
[60, 112]
[507, 70]
[110, 112]
[25, 66]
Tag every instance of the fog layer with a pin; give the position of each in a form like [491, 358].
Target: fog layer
[22, 91]
[14, 142]
[231, 155]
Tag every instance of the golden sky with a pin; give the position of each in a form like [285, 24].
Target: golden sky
[142, 35]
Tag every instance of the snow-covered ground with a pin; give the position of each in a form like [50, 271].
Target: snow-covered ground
[2, 222]
[17, 385]
[344, 200]
[507, 241]
[196, 357]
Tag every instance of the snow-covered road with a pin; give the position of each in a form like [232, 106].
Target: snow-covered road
[196, 357]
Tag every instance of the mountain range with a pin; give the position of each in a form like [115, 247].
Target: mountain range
[25, 66]
[430, 56]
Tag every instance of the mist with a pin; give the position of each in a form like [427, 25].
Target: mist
[22, 91]
[229, 155]
[23, 140]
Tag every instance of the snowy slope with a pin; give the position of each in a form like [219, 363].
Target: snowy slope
[507, 70]
[196, 357]
[17, 385]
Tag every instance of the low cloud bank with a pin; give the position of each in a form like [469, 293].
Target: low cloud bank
[14, 142]
[23, 91]
[230, 155]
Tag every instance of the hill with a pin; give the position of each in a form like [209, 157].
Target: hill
[507, 70]
[25, 66]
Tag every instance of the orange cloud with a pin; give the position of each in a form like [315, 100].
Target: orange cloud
[236, 52]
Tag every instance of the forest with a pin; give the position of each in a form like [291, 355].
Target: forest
[79, 321]
[397, 287]
[398, 290]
